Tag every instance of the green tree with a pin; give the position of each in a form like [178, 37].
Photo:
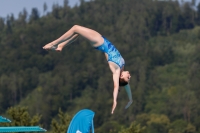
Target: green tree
[158, 123]
[180, 126]
[20, 117]
[45, 7]
[34, 15]
[60, 125]
[134, 128]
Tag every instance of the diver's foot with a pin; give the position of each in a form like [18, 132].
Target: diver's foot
[59, 48]
[50, 46]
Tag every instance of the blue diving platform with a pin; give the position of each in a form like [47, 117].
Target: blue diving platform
[19, 128]
[22, 129]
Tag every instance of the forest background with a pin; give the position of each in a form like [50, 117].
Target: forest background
[159, 40]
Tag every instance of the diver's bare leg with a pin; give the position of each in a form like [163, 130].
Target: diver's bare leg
[94, 37]
[65, 43]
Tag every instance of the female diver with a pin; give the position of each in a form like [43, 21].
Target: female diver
[115, 61]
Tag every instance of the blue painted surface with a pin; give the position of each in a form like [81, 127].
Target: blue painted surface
[3, 119]
[82, 122]
[19, 128]
[22, 129]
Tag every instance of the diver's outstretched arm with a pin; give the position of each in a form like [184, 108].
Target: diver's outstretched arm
[116, 72]
[115, 91]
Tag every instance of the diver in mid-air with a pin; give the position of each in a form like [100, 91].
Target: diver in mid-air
[115, 61]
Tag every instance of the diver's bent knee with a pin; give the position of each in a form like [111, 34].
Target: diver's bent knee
[75, 27]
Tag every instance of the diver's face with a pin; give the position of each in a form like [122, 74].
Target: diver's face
[125, 75]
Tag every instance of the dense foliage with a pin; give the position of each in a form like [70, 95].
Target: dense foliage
[159, 40]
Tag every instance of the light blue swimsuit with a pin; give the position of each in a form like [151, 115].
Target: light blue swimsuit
[113, 53]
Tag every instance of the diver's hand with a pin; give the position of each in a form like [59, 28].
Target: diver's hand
[114, 106]
[128, 104]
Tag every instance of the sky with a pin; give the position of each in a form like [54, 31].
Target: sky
[16, 6]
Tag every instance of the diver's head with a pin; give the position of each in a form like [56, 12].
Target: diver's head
[124, 78]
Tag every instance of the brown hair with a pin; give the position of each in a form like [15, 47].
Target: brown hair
[122, 82]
